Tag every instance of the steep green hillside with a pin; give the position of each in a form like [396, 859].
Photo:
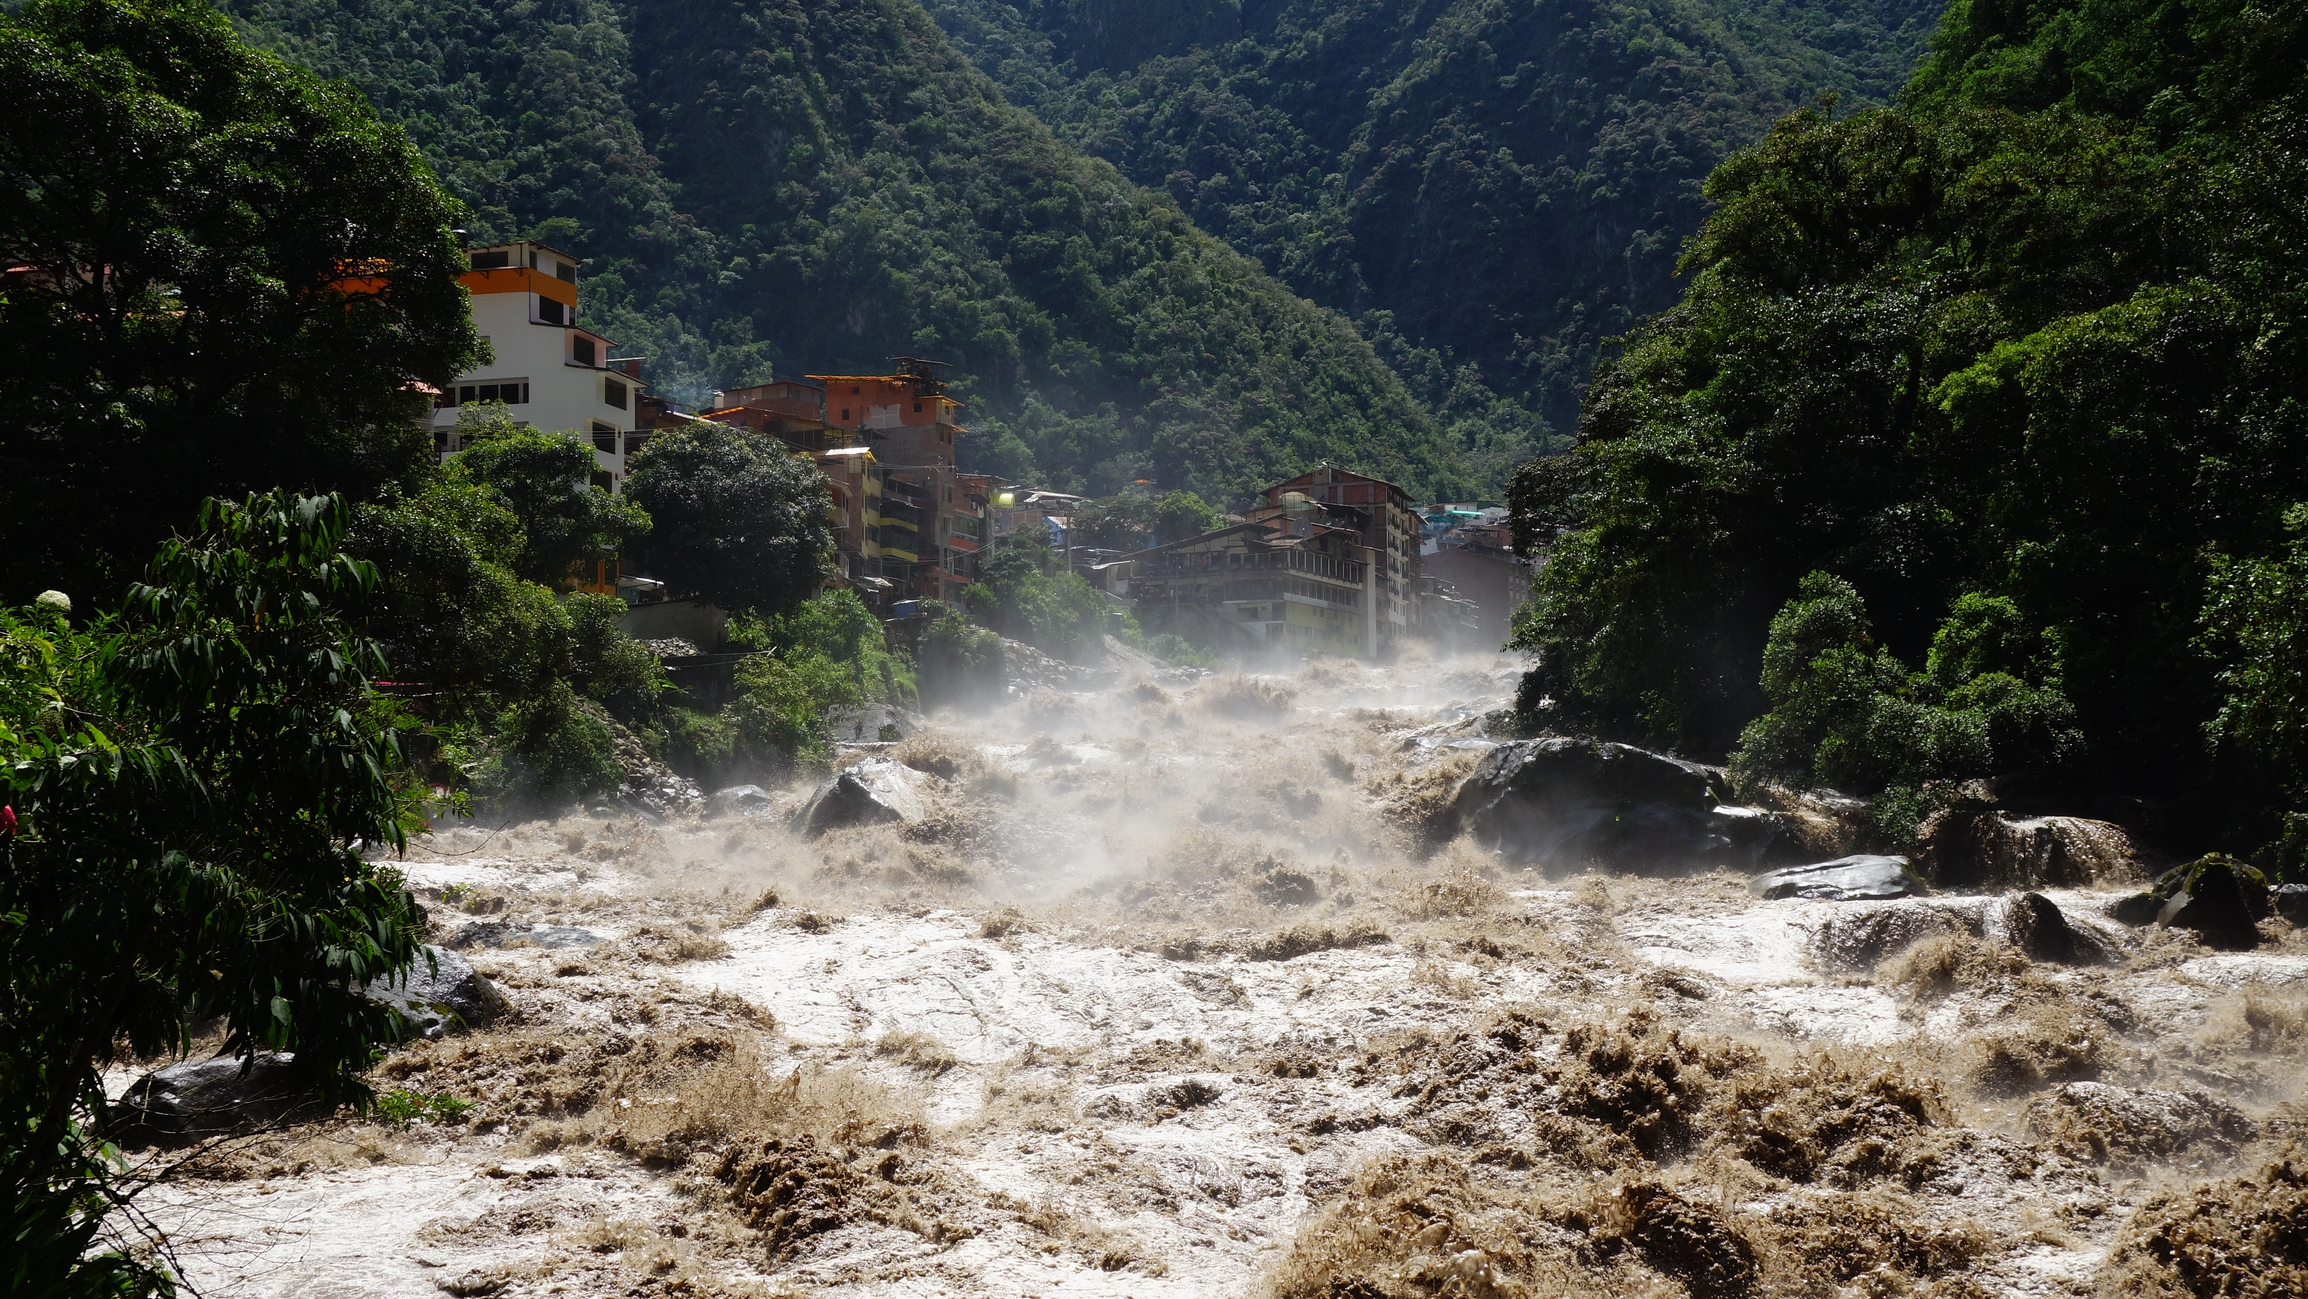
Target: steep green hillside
[778, 186]
[1491, 187]
[2033, 345]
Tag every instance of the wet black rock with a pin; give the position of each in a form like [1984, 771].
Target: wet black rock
[440, 995]
[2136, 909]
[1564, 804]
[2034, 924]
[877, 791]
[2221, 899]
[2291, 902]
[1846, 879]
[514, 933]
[739, 799]
[203, 1098]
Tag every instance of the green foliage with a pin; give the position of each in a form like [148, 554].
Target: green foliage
[402, 1107]
[958, 663]
[1491, 189]
[190, 779]
[2036, 335]
[546, 481]
[1130, 521]
[605, 661]
[1845, 714]
[549, 750]
[1023, 593]
[2256, 619]
[451, 615]
[765, 186]
[741, 519]
[837, 627]
[189, 210]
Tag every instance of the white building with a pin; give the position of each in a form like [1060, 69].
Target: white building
[550, 373]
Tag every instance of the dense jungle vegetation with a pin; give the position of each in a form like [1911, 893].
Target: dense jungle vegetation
[772, 187]
[1979, 442]
[1490, 188]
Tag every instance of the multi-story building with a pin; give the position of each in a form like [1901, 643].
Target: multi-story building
[1381, 514]
[1282, 583]
[933, 521]
[552, 373]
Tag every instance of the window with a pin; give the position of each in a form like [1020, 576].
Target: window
[492, 261]
[917, 408]
[581, 347]
[613, 392]
[486, 392]
[605, 438]
[564, 271]
[532, 259]
[845, 412]
[551, 312]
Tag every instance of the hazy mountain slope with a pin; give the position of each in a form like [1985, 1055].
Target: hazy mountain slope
[1483, 183]
[789, 185]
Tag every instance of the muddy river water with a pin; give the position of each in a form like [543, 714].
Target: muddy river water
[1164, 995]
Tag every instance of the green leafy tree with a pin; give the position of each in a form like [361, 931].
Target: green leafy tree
[191, 780]
[1022, 593]
[546, 481]
[231, 274]
[2035, 335]
[2255, 621]
[1179, 515]
[451, 614]
[740, 520]
[1844, 711]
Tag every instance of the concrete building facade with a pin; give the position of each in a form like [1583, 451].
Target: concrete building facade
[551, 373]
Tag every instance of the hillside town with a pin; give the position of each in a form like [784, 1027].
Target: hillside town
[1328, 562]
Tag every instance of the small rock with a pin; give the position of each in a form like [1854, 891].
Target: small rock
[2136, 909]
[440, 995]
[202, 1098]
[876, 791]
[2291, 902]
[737, 798]
[1846, 879]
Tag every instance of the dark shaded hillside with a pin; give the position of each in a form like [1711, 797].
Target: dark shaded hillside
[774, 186]
[1490, 188]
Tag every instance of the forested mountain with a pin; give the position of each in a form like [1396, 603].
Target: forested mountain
[1489, 187]
[780, 186]
[2009, 381]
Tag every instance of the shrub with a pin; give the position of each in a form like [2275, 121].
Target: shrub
[549, 750]
[1846, 714]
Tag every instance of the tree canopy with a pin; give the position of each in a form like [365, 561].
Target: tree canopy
[221, 274]
[740, 520]
[190, 782]
[2033, 336]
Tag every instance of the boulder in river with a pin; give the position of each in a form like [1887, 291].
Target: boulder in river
[871, 724]
[2221, 899]
[1846, 879]
[2034, 924]
[204, 1098]
[2291, 902]
[514, 933]
[738, 799]
[440, 995]
[1563, 804]
[1976, 845]
[877, 791]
